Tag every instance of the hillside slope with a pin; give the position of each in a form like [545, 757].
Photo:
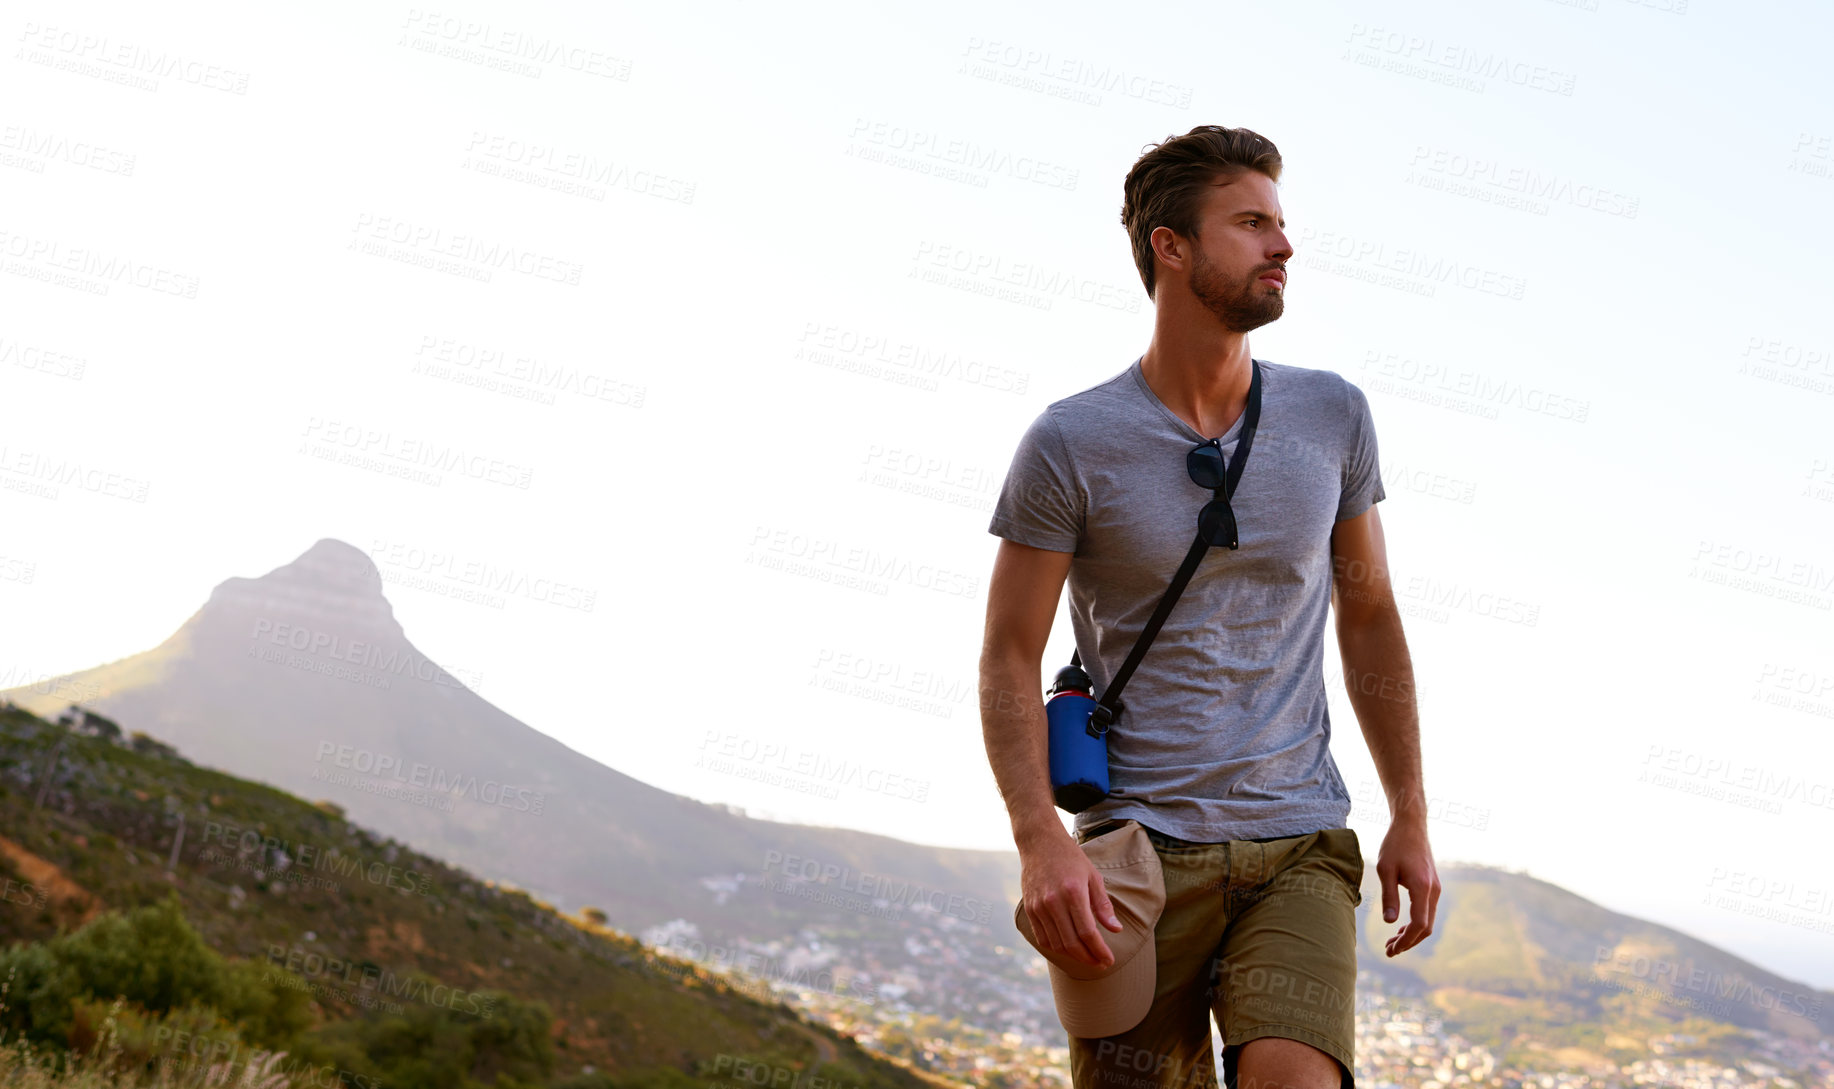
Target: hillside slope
[93, 825]
[303, 679]
[1512, 955]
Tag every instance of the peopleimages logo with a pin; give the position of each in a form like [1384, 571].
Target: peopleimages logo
[357, 652]
[433, 778]
[771, 1076]
[321, 970]
[896, 891]
[25, 895]
[307, 857]
[1671, 977]
[199, 1052]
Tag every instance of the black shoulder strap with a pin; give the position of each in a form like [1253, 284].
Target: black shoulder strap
[1111, 697]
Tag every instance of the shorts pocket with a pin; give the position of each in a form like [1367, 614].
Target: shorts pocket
[1347, 851]
[1097, 831]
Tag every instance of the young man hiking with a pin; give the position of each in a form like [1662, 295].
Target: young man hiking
[1221, 754]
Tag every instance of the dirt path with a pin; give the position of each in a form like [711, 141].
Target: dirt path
[825, 1051]
[51, 880]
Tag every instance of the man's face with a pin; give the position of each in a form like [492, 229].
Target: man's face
[1238, 263]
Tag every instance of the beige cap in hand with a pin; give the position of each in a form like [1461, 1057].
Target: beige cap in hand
[1092, 1001]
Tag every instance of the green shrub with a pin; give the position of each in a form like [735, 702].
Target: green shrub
[432, 1047]
[158, 967]
[149, 956]
[270, 1013]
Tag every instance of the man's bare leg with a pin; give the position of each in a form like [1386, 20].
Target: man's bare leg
[1275, 1062]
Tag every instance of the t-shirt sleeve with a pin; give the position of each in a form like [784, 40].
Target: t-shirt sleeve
[1041, 504]
[1362, 485]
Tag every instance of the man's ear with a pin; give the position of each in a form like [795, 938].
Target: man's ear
[1169, 248]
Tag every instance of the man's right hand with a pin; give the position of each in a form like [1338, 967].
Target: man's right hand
[1063, 896]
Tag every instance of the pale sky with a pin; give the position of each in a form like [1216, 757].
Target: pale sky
[788, 284]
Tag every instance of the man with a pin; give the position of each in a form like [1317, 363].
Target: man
[1222, 751]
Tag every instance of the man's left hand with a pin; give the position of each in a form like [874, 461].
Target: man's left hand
[1406, 859]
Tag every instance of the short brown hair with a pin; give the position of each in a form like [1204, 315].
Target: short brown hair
[1165, 188]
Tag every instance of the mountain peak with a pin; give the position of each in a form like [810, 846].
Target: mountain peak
[333, 564]
[332, 585]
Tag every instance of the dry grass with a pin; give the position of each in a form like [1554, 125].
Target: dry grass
[102, 1068]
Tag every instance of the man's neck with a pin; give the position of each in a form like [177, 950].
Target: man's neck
[1204, 382]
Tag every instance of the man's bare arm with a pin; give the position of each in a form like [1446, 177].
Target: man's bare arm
[1062, 892]
[1378, 672]
[1011, 688]
[1379, 676]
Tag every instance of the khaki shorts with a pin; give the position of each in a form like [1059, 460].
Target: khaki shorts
[1262, 933]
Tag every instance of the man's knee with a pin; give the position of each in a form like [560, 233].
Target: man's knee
[1115, 1064]
[1277, 1062]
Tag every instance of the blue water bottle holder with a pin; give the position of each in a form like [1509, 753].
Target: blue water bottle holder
[1078, 724]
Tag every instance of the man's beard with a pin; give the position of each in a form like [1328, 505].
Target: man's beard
[1240, 309]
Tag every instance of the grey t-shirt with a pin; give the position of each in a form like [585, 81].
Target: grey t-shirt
[1226, 734]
